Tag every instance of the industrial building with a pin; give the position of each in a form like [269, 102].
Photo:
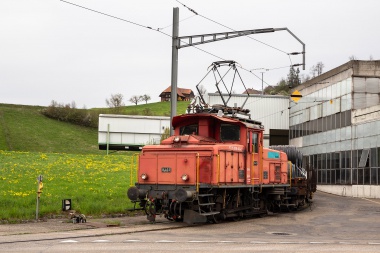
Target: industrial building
[271, 111]
[336, 124]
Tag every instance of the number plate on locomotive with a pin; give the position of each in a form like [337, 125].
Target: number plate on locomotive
[166, 169]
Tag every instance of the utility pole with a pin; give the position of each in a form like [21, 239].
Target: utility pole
[262, 83]
[175, 44]
[194, 40]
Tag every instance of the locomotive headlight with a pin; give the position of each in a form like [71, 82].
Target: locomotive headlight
[176, 139]
[144, 176]
[185, 177]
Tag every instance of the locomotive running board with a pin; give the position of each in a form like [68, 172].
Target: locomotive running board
[191, 217]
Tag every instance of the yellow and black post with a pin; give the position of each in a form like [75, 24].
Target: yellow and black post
[40, 185]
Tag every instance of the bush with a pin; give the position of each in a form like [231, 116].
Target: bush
[68, 113]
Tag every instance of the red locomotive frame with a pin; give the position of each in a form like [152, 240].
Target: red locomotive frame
[215, 167]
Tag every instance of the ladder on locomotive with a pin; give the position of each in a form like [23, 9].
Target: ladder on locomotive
[205, 204]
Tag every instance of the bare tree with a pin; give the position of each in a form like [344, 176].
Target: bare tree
[145, 98]
[317, 69]
[135, 99]
[201, 90]
[352, 58]
[116, 101]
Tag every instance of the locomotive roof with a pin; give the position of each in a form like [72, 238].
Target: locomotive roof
[180, 119]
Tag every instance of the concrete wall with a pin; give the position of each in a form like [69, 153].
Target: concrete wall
[357, 191]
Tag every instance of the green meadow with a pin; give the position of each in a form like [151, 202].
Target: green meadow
[68, 158]
[96, 184]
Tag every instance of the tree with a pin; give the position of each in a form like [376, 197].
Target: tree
[317, 69]
[201, 90]
[145, 98]
[352, 58]
[135, 99]
[282, 88]
[293, 77]
[320, 67]
[115, 101]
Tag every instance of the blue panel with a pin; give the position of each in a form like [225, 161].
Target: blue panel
[273, 155]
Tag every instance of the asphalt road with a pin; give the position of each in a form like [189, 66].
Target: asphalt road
[333, 224]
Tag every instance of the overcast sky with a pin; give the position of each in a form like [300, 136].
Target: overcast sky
[52, 50]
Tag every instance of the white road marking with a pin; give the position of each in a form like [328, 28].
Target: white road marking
[258, 242]
[66, 241]
[101, 241]
[165, 241]
[133, 241]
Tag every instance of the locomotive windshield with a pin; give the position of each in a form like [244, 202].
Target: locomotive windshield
[229, 132]
[189, 129]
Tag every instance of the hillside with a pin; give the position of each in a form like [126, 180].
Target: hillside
[24, 128]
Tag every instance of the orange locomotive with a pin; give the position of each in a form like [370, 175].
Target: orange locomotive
[215, 167]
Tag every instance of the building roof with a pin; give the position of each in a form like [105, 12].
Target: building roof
[251, 91]
[180, 91]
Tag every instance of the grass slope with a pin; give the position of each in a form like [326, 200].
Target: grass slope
[24, 128]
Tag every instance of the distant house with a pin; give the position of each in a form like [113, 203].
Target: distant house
[182, 94]
[251, 91]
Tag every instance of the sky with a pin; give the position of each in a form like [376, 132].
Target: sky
[54, 50]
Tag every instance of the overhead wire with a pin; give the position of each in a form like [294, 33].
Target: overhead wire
[160, 31]
[211, 20]
[105, 14]
[178, 22]
[218, 23]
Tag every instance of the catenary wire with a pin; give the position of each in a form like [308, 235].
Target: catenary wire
[160, 31]
[196, 13]
[178, 22]
[290, 60]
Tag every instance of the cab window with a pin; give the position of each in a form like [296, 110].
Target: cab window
[189, 129]
[229, 132]
[255, 143]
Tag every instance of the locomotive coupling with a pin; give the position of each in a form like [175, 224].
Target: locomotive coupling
[135, 193]
[181, 195]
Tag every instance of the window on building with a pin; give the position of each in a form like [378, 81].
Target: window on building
[374, 156]
[363, 162]
[367, 176]
[374, 176]
[354, 176]
[360, 176]
[337, 176]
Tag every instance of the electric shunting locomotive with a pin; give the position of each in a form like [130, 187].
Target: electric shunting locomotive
[215, 167]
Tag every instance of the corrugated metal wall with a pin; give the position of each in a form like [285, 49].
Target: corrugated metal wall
[272, 111]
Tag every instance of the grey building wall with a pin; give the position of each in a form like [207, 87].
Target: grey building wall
[272, 111]
[337, 125]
